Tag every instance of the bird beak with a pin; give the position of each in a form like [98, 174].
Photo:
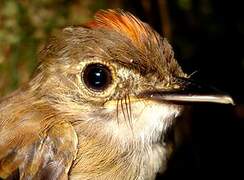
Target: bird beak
[191, 92]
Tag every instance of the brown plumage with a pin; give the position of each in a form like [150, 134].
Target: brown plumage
[86, 112]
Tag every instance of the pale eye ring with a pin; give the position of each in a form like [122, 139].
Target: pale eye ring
[97, 76]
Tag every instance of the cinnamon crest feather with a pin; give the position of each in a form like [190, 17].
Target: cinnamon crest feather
[124, 23]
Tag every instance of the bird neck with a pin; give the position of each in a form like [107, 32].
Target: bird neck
[100, 158]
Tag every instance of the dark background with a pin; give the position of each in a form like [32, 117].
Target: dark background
[207, 36]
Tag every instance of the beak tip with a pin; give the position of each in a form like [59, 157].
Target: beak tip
[228, 100]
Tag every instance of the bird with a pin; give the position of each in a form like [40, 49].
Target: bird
[99, 104]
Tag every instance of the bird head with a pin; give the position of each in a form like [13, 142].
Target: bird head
[117, 81]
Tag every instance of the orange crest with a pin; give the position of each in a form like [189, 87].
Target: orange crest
[122, 22]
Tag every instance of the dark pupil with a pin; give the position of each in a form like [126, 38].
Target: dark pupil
[97, 76]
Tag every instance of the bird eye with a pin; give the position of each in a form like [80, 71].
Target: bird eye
[97, 76]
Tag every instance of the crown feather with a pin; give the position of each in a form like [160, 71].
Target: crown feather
[124, 23]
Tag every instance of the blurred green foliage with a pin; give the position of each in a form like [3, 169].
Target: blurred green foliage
[24, 27]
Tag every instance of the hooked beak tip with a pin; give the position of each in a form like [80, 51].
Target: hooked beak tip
[228, 100]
